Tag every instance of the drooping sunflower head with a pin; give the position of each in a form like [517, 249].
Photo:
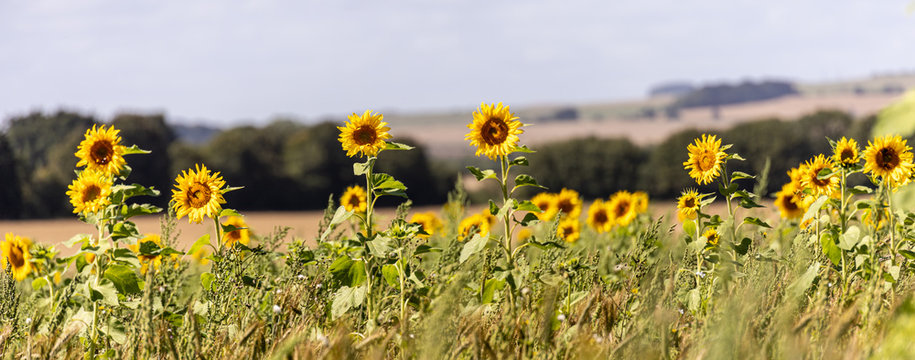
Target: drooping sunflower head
[788, 203]
[688, 205]
[101, 150]
[241, 234]
[569, 230]
[810, 178]
[354, 199]
[568, 202]
[712, 237]
[429, 220]
[14, 252]
[476, 223]
[846, 152]
[198, 194]
[640, 201]
[890, 159]
[706, 157]
[547, 203]
[599, 217]
[364, 134]
[90, 192]
[622, 208]
[146, 260]
[494, 130]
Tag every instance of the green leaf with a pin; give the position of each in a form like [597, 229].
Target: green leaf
[526, 180]
[749, 203]
[689, 228]
[391, 276]
[727, 191]
[125, 256]
[124, 230]
[743, 247]
[850, 238]
[473, 246]
[347, 271]
[201, 242]
[545, 245]
[135, 150]
[396, 146]
[693, 300]
[78, 239]
[482, 174]
[800, 286]
[229, 212]
[861, 189]
[490, 288]
[345, 299]
[422, 249]
[380, 246]
[735, 156]
[907, 254]
[503, 212]
[521, 161]
[522, 149]
[526, 205]
[756, 221]
[206, 280]
[128, 212]
[39, 283]
[115, 330]
[493, 208]
[739, 175]
[385, 184]
[698, 245]
[149, 248]
[827, 241]
[104, 292]
[340, 216]
[124, 279]
[528, 218]
[360, 169]
[814, 208]
[825, 173]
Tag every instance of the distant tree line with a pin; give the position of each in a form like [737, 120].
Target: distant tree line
[727, 94]
[290, 166]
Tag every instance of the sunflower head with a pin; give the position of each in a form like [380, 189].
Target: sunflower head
[890, 159]
[241, 234]
[599, 217]
[364, 134]
[789, 204]
[810, 178]
[430, 222]
[706, 157]
[14, 252]
[568, 203]
[547, 204]
[476, 223]
[640, 201]
[846, 153]
[622, 208]
[354, 199]
[688, 205]
[90, 192]
[569, 230]
[494, 130]
[198, 193]
[146, 260]
[712, 237]
[101, 150]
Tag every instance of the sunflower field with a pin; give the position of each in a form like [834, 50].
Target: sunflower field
[827, 270]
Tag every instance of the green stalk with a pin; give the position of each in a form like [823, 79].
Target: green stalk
[507, 234]
[889, 203]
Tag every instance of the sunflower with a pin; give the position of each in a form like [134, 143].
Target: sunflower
[789, 205]
[569, 230]
[890, 159]
[90, 192]
[494, 130]
[599, 217]
[868, 218]
[846, 152]
[688, 205]
[622, 208]
[476, 223]
[354, 199]
[198, 194]
[640, 201]
[568, 203]
[810, 178]
[239, 235]
[430, 222]
[364, 134]
[101, 150]
[712, 237]
[705, 159]
[524, 234]
[15, 252]
[547, 203]
[146, 260]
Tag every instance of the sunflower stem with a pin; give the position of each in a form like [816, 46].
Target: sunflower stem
[889, 204]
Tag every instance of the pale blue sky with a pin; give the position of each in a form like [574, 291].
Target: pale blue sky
[248, 61]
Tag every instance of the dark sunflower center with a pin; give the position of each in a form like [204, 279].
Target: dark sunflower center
[101, 152]
[565, 206]
[354, 201]
[713, 238]
[706, 161]
[567, 231]
[816, 179]
[789, 203]
[887, 159]
[847, 155]
[621, 208]
[601, 217]
[494, 131]
[234, 235]
[15, 257]
[91, 193]
[689, 203]
[365, 135]
[198, 195]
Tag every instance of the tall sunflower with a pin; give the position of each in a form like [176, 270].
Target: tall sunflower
[569, 229]
[198, 194]
[846, 152]
[705, 159]
[101, 150]
[364, 135]
[494, 130]
[354, 199]
[547, 203]
[622, 208]
[810, 178]
[599, 217]
[568, 202]
[688, 205]
[476, 223]
[239, 235]
[90, 192]
[430, 222]
[789, 205]
[14, 250]
[890, 159]
[147, 260]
